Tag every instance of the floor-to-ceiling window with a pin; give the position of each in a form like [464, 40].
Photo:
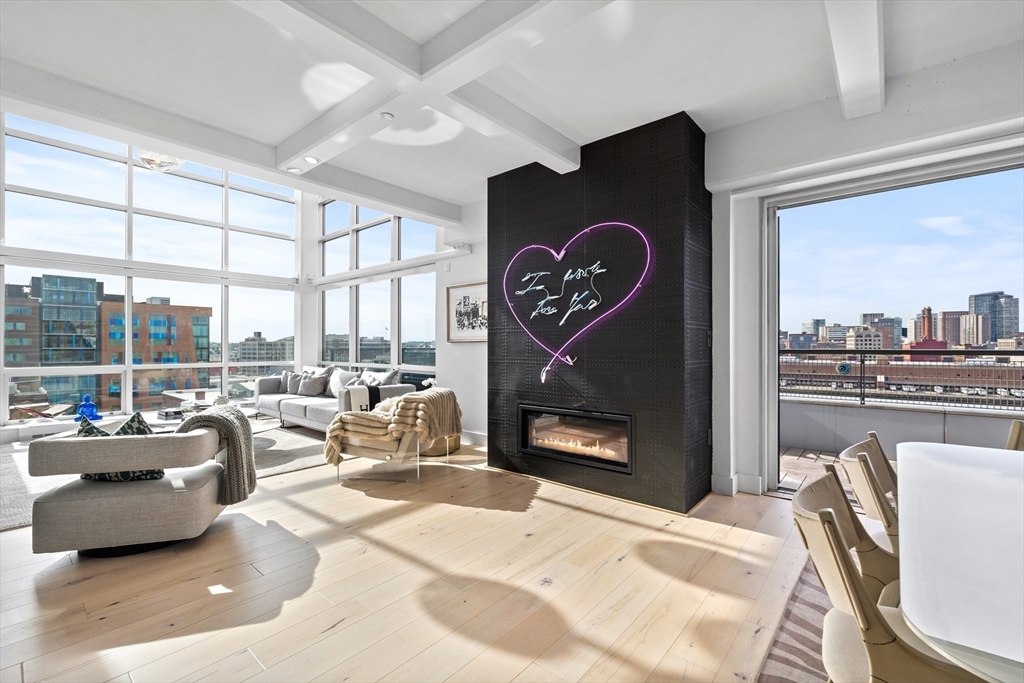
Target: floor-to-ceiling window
[902, 299]
[386, 307]
[176, 283]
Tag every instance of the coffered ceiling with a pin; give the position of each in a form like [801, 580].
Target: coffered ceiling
[475, 88]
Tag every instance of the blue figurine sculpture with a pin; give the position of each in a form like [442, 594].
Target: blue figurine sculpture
[88, 409]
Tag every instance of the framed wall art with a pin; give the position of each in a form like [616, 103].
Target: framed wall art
[467, 312]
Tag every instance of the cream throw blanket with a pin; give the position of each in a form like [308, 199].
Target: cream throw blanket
[432, 413]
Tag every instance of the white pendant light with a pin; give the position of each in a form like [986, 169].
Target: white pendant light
[155, 161]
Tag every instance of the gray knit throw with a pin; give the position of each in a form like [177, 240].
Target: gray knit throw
[239, 478]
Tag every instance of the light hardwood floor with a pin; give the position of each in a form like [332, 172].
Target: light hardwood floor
[467, 575]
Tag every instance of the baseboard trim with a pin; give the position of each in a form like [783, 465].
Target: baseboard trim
[474, 438]
[723, 485]
[750, 483]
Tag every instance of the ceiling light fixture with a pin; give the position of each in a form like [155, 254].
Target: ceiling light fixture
[387, 116]
[311, 160]
[162, 163]
[292, 169]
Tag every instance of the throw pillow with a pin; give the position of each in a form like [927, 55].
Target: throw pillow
[356, 382]
[317, 371]
[294, 380]
[339, 379]
[375, 379]
[285, 374]
[312, 385]
[136, 425]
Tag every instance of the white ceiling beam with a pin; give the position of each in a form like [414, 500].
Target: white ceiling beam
[477, 106]
[26, 90]
[856, 33]
[348, 117]
[486, 37]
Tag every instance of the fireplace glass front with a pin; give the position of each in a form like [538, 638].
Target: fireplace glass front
[595, 438]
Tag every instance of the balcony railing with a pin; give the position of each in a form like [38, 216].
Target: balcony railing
[982, 379]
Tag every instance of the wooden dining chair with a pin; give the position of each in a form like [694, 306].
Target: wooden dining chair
[1015, 442]
[866, 467]
[863, 641]
[879, 569]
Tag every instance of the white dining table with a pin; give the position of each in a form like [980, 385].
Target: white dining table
[962, 553]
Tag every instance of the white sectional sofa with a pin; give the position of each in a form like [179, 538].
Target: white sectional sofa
[315, 412]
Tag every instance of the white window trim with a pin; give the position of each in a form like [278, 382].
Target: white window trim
[393, 271]
[128, 268]
[964, 165]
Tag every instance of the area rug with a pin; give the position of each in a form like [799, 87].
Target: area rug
[795, 655]
[277, 451]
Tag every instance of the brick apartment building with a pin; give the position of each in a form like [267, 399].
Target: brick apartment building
[161, 333]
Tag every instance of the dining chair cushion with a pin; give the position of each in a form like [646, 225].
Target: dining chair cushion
[842, 649]
[881, 539]
[890, 596]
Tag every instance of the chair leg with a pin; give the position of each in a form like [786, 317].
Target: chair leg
[447, 454]
[417, 456]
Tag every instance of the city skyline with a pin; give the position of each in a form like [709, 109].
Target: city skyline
[898, 251]
[907, 320]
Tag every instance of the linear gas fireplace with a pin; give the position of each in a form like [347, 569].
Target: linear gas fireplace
[586, 437]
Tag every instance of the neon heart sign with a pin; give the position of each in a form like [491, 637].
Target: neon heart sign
[561, 305]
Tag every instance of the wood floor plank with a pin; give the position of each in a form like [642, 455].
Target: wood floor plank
[521, 646]
[454, 650]
[189, 661]
[572, 655]
[636, 654]
[778, 586]
[708, 636]
[238, 667]
[675, 669]
[465, 574]
[352, 639]
[747, 653]
[748, 571]
[280, 646]
[535, 673]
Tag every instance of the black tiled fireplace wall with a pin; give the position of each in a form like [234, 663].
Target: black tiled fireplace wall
[653, 356]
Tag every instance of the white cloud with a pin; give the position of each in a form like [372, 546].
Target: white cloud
[947, 225]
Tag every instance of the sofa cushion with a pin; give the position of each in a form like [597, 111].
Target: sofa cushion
[339, 378]
[272, 402]
[136, 425]
[386, 377]
[313, 385]
[296, 407]
[324, 412]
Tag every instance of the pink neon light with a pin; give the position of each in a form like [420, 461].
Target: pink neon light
[557, 355]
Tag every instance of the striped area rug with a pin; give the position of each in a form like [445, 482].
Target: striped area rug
[795, 655]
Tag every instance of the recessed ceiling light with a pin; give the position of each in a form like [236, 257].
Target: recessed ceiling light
[311, 160]
[387, 116]
[292, 169]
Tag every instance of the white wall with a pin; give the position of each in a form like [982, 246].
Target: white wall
[463, 366]
[956, 111]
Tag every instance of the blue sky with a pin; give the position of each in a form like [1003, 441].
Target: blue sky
[895, 252]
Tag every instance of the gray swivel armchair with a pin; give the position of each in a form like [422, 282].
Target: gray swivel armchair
[86, 514]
